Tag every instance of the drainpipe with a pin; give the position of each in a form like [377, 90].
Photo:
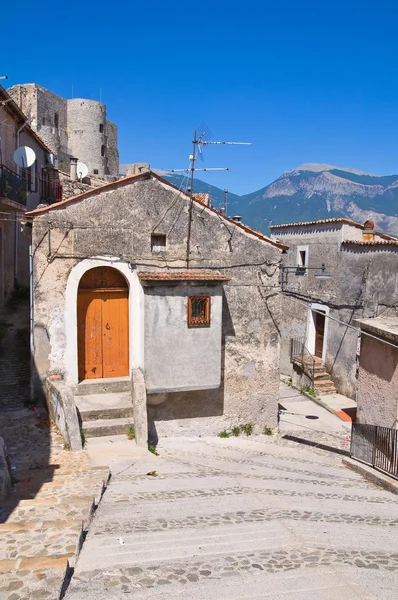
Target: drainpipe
[31, 320]
[16, 248]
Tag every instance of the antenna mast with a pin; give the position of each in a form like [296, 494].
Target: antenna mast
[197, 144]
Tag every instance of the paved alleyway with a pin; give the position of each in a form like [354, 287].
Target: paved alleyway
[239, 518]
[42, 522]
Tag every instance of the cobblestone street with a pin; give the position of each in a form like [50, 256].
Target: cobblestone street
[260, 517]
[42, 522]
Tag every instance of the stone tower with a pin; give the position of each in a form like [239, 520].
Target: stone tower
[75, 127]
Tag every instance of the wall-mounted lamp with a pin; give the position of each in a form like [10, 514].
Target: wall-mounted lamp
[322, 275]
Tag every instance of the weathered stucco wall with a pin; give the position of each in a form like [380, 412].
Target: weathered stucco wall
[179, 358]
[378, 384]
[118, 222]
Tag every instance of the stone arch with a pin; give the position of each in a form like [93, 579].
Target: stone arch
[136, 313]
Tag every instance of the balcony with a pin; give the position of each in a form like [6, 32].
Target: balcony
[12, 186]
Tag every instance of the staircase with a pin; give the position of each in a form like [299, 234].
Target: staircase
[104, 406]
[322, 382]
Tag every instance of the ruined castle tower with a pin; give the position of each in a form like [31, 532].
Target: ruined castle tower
[76, 127]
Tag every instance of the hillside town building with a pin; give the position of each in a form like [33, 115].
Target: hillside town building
[136, 283]
[21, 189]
[319, 314]
[71, 127]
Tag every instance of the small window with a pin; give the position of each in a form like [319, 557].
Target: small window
[56, 120]
[198, 311]
[101, 128]
[102, 150]
[302, 260]
[158, 242]
[95, 171]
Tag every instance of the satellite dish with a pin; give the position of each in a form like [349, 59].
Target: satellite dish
[81, 170]
[24, 156]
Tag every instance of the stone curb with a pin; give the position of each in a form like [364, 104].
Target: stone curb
[372, 475]
[314, 399]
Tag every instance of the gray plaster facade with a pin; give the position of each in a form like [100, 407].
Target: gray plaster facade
[75, 127]
[364, 282]
[201, 380]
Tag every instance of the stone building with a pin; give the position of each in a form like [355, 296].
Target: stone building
[136, 281]
[319, 313]
[378, 371]
[20, 190]
[76, 127]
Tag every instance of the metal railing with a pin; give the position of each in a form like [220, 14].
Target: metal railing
[51, 191]
[376, 446]
[12, 186]
[300, 355]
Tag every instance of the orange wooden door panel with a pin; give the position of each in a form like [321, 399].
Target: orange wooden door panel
[89, 335]
[115, 333]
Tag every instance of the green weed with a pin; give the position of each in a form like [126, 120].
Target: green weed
[131, 432]
[224, 434]
[152, 449]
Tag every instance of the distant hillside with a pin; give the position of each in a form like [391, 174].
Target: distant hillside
[311, 192]
[322, 191]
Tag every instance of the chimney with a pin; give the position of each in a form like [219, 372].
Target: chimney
[368, 233]
[237, 218]
[73, 168]
[137, 168]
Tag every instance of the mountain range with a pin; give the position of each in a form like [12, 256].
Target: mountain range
[311, 192]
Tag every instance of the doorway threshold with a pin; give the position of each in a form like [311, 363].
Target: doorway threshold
[106, 385]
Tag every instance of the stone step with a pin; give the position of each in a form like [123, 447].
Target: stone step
[325, 383]
[106, 427]
[104, 406]
[321, 376]
[108, 385]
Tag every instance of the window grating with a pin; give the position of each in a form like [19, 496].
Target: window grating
[198, 311]
[158, 242]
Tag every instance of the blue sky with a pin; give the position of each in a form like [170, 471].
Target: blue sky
[304, 81]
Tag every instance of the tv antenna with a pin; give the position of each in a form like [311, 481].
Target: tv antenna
[198, 143]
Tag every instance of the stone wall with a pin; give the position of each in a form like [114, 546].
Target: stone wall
[115, 225]
[71, 127]
[62, 410]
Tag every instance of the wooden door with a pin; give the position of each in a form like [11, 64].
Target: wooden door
[103, 339]
[319, 333]
[115, 337]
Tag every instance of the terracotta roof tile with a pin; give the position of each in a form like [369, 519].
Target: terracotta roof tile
[202, 198]
[130, 178]
[320, 222]
[386, 242]
[181, 276]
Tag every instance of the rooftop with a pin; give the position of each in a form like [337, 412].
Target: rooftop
[182, 276]
[383, 242]
[320, 222]
[385, 327]
[130, 178]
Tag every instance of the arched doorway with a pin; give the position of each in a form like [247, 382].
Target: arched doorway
[103, 324]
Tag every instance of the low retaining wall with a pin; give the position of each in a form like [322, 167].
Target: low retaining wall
[62, 409]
